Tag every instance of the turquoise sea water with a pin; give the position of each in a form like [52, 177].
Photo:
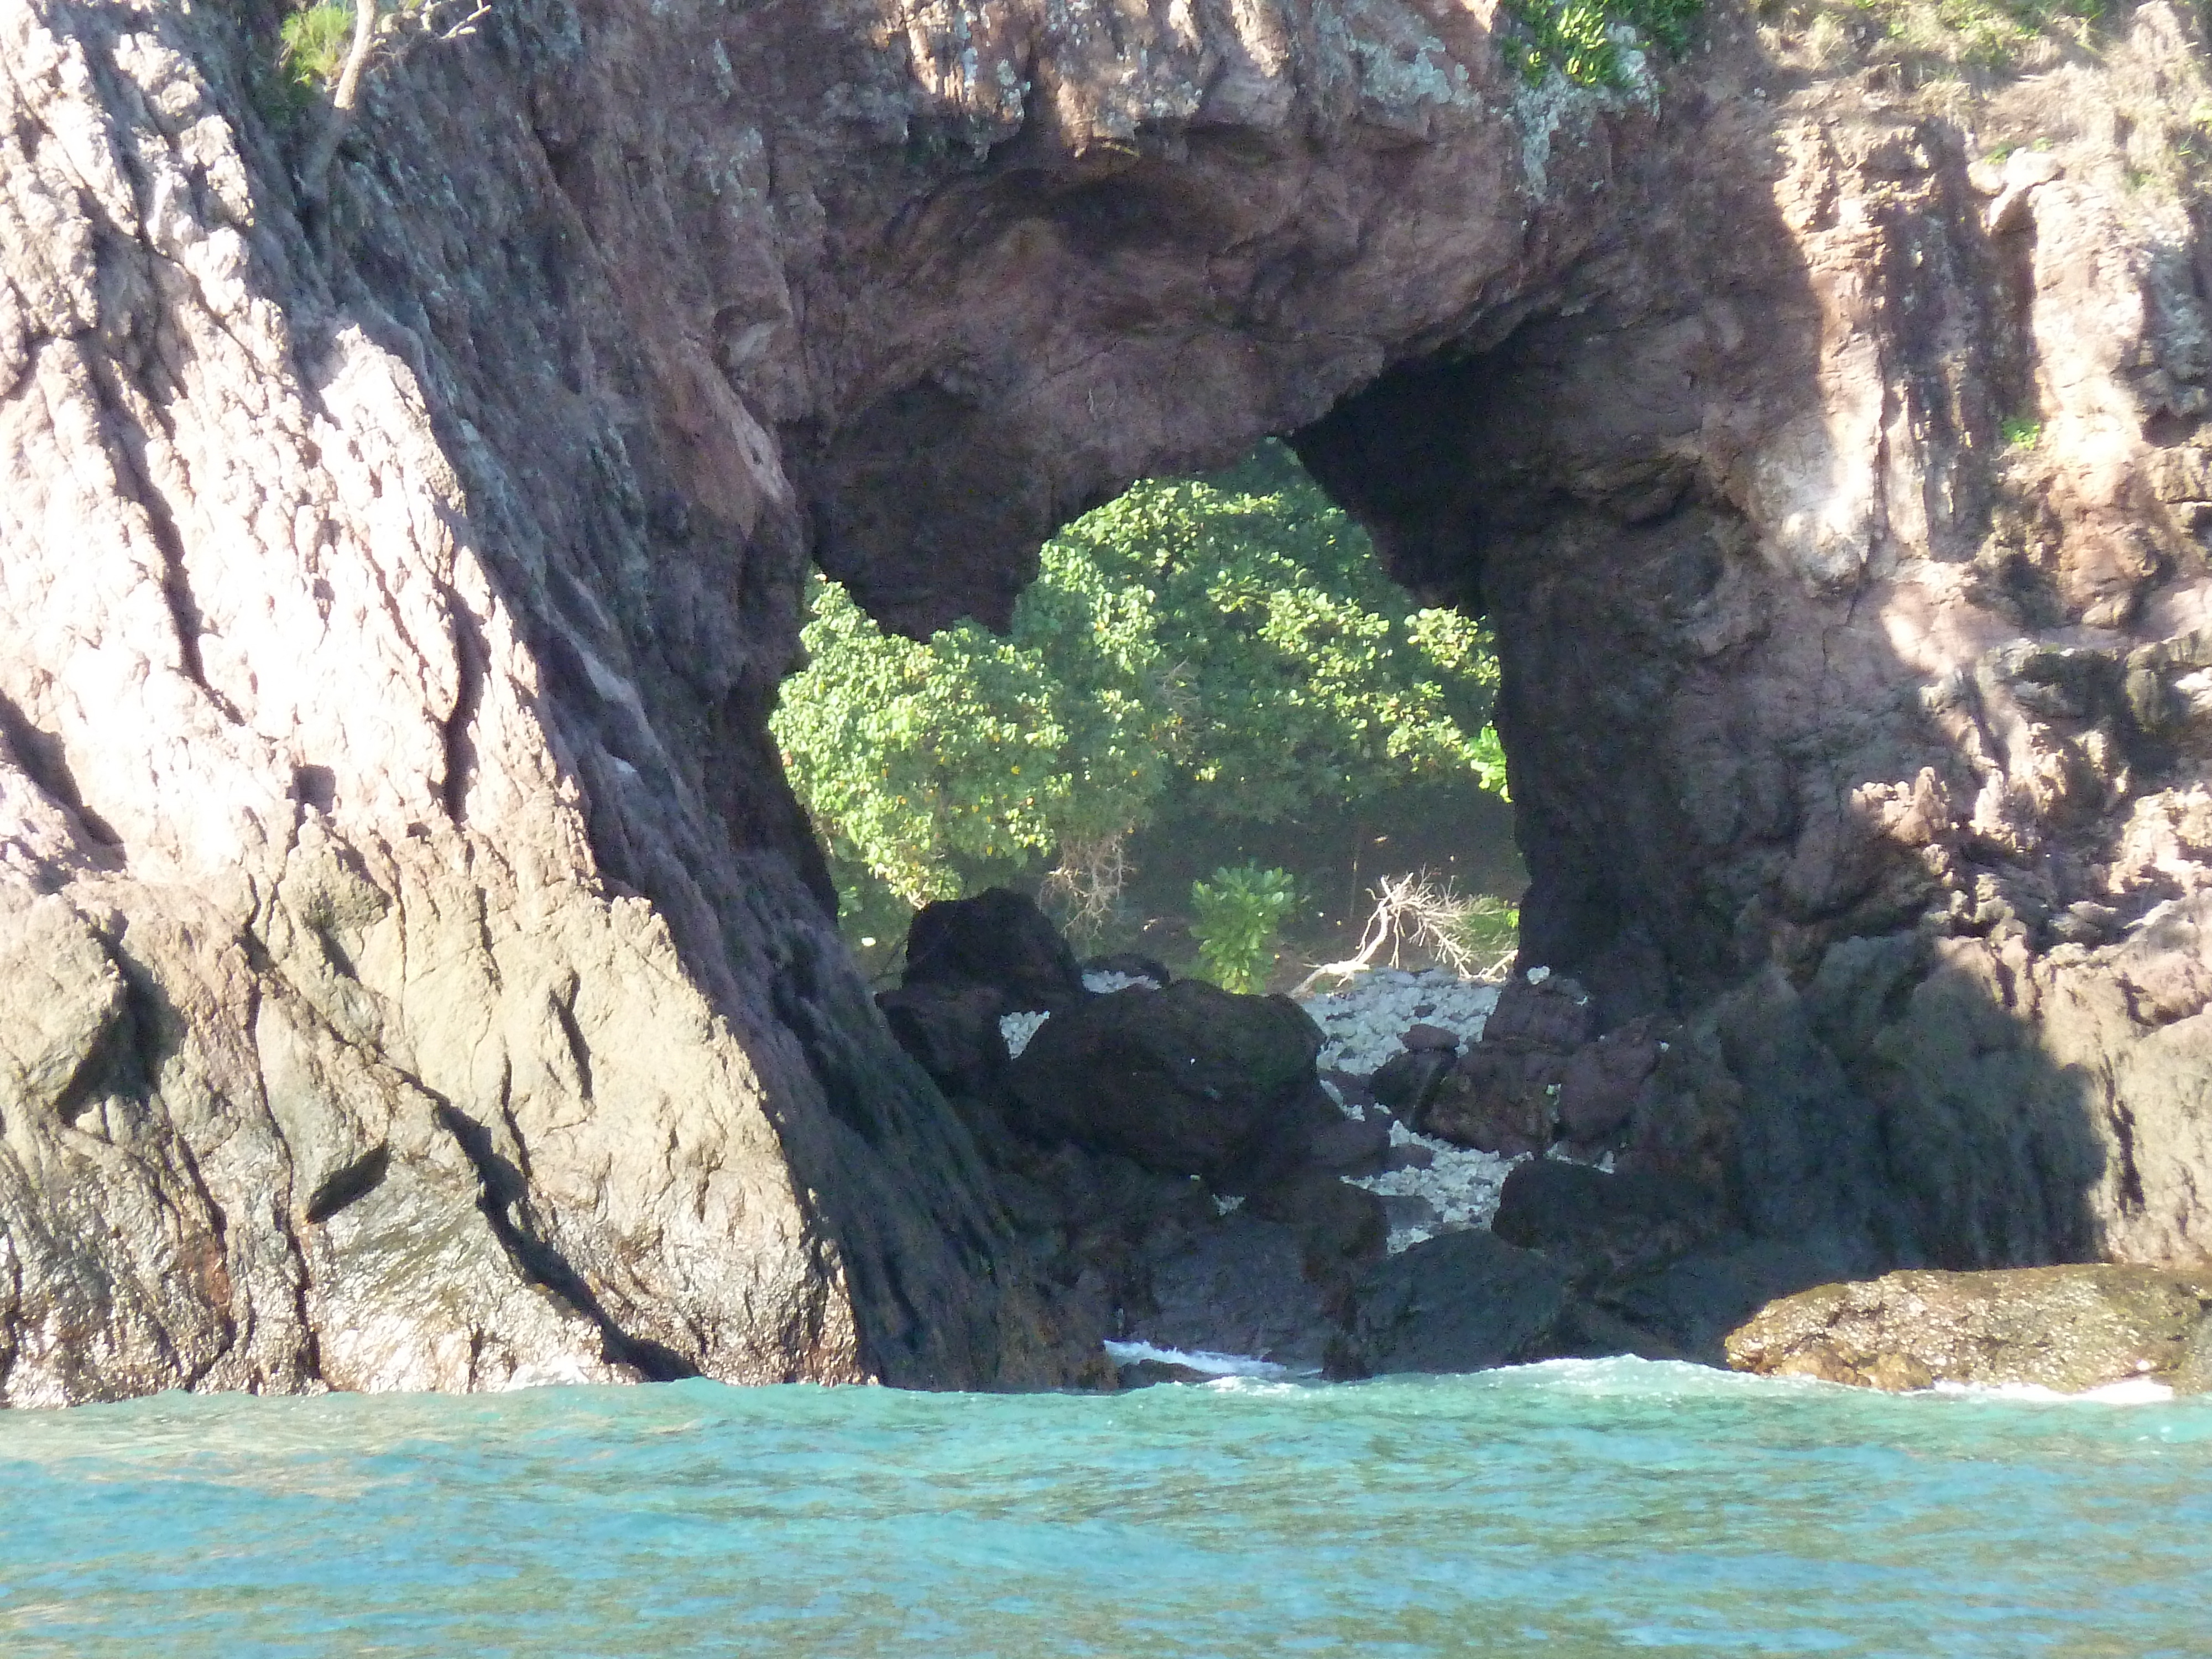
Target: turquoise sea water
[1572, 1509]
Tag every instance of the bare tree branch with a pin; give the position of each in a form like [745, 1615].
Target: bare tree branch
[377, 37]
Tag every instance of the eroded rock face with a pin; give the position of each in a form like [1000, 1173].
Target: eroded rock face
[417, 972]
[2067, 1328]
[1846, 569]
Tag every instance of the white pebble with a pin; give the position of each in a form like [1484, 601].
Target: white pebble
[1018, 1030]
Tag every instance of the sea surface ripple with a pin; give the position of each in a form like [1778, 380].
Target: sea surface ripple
[1569, 1509]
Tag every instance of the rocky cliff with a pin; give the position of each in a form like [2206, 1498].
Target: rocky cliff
[414, 969]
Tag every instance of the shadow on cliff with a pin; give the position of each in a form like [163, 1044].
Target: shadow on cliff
[1716, 753]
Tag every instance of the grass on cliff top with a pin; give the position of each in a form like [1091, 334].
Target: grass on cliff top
[1938, 38]
[1988, 33]
[1587, 40]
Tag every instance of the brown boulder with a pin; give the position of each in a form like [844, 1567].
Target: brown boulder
[1598, 1089]
[1551, 1012]
[1499, 1098]
[2068, 1328]
[1425, 1037]
[1407, 1081]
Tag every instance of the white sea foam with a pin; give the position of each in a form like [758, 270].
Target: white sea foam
[1212, 1364]
[2131, 1391]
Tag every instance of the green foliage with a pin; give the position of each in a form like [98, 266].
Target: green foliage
[1220, 651]
[315, 43]
[2021, 431]
[1235, 919]
[1577, 37]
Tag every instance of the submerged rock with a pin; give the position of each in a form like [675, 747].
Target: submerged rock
[2066, 1329]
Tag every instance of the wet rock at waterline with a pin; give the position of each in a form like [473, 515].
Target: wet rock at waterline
[1465, 1302]
[2067, 1328]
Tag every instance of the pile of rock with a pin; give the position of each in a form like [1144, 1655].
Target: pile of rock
[1539, 1075]
[1314, 1185]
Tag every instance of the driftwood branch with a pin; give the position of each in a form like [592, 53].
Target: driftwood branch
[1412, 911]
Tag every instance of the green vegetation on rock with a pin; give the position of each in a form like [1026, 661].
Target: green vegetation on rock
[1935, 40]
[315, 42]
[1990, 33]
[1588, 41]
[1196, 654]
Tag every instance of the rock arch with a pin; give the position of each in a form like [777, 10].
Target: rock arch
[413, 969]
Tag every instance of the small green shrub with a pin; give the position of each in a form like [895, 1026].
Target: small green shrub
[1575, 37]
[315, 42]
[1235, 916]
[2020, 431]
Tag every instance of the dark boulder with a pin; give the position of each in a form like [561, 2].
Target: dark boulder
[1500, 1097]
[1238, 1286]
[1351, 1088]
[952, 1030]
[1189, 1081]
[1407, 1081]
[1411, 1156]
[1465, 1302]
[1151, 1373]
[1553, 1012]
[999, 938]
[1351, 1145]
[1693, 1301]
[1132, 964]
[1605, 1222]
[1600, 1083]
[1338, 1227]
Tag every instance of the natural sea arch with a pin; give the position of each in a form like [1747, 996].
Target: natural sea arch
[429, 979]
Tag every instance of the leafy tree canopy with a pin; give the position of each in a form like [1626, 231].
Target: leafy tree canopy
[1223, 649]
